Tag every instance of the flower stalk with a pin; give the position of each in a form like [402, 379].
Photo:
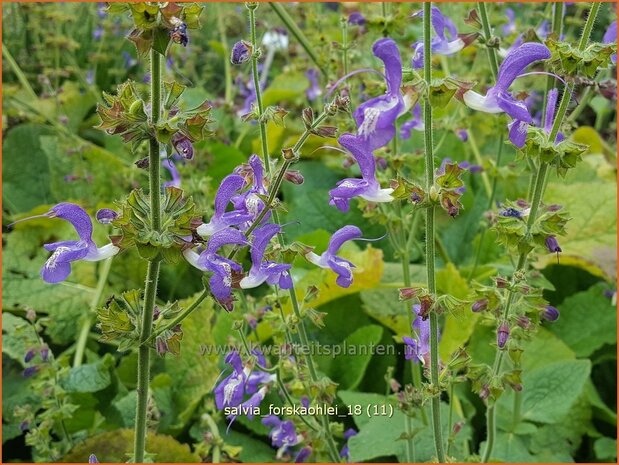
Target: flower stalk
[538, 193]
[430, 213]
[152, 273]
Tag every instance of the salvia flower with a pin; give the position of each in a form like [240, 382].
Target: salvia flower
[446, 42]
[552, 244]
[221, 219]
[269, 271]
[283, 433]
[303, 455]
[173, 170]
[329, 259]
[518, 129]
[349, 433]
[241, 52]
[462, 134]
[498, 99]
[550, 313]
[479, 305]
[30, 354]
[418, 347]
[221, 267]
[58, 266]
[230, 391]
[367, 187]
[502, 335]
[356, 19]
[183, 146]
[179, 34]
[250, 202]
[376, 117]
[105, 215]
[93, 459]
[610, 36]
[313, 91]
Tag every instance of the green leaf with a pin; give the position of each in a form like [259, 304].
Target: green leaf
[591, 239]
[286, 87]
[18, 336]
[549, 392]
[588, 321]
[161, 39]
[92, 377]
[348, 369]
[606, 449]
[509, 448]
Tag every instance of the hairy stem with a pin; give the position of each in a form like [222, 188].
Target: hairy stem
[485, 24]
[80, 345]
[152, 273]
[257, 89]
[227, 72]
[538, 193]
[429, 159]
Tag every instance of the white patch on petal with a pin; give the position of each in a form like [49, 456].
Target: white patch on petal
[370, 119]
[192, 257]
[228, 277]
[102, 253]
[316, 260]
[249, 282]
[449, 48]
[481, 102]
[347, 183]
[50, 264]
[252, 202]
[206, 230]
[230, 388]
[379, 195]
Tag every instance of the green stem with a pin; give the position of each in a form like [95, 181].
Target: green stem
[480, 161]
[451, 439]
[410, 444]
[517, 409]
[557, 29]
[21, 77]
[216, 458]
[80, 345]
[152, 272]
[254, 69]
[429, 159]
[485, 24]
[586, 32]
[298, 34]
[344, 24]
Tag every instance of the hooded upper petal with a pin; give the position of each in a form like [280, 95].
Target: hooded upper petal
[75, 215]
[517, 60]
[342, 235]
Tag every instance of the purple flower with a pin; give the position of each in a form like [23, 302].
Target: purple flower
[93, 459]
[250, 202]
[376, 118]
[253, 402]
[356, 19]
[30, 371]
[446, 42]
[510, 27]
[269, 271]
[553, 245]
[417, 348]
[479, 305]
[415, 123]
[283, 433]
[367, 187]
[176, 177]
[462, 134]
[221, 267]
[342, 267]
[349, 433]
[518, 129]
[230, 392]
[502, 335]
[182, 145]
[58, 266]
[105, 215]
[511, 212]
[179, 34]
[221, 219]
[44, 353]
[241, 52]
[497, 98]
[610, 36]
[303, 455]
[550, 313]
[313, 91]
[97, 34]
[29, 355]
[101, 9]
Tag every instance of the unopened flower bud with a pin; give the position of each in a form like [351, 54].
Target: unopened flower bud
[30, 371]
[241, 52]
[44, 353]
[479, 305]
[295, 177]
[24, 426]
[381, 163]
[523, 321]
[308, 117]
[143, 163]
[501, 283]
[29, 355]
[106, 215]
[31, 315]
[457, 427]
[484, 393]
[552, 244]
[183, 146]
[550, 313]
[394, 385]
[502, 335]
[407, 293]
[162, 346]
